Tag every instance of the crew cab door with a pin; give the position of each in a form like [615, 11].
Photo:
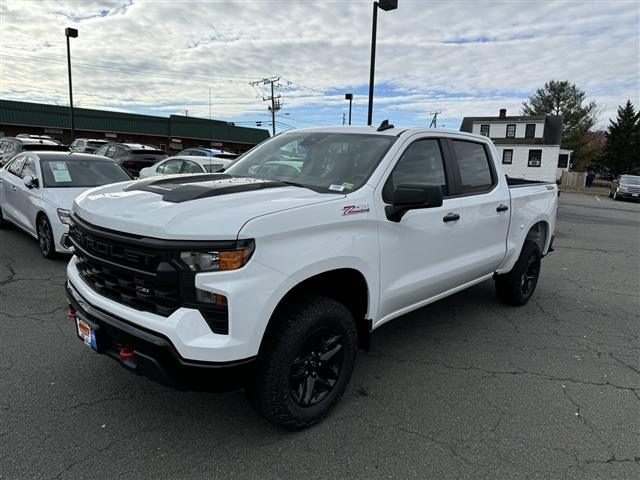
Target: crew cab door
[483, 202]
[432, 251]
[418, 254]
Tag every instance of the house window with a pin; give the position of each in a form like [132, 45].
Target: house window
[511, 130]
[563, 160]
[535, 158]
[484, 130]
[507, 157]
[530, 130]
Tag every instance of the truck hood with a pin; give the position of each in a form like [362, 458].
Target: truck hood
[200, 207]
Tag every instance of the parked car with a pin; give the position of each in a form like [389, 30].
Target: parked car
[625, 186]
[273, 279]
[206, 152]
[37, 190]
[86, 145]
[185, 165]
[12, 146]
[132, 156]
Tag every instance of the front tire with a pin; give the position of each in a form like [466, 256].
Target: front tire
[615, 194]
[517, 286]
[45, 237]
[306, 362]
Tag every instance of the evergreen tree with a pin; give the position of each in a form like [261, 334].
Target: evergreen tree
[622, 150]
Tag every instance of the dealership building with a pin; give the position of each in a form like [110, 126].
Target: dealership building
[170, 134]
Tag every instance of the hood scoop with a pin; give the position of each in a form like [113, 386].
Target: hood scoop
[181, 189]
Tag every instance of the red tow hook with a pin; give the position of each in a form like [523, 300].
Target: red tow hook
[126, 353]
[71, 313]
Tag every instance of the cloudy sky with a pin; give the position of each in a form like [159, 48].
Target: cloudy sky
[456, 57]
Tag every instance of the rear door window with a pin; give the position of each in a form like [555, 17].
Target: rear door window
[476, 175]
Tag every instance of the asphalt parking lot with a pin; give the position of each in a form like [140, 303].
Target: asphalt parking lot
[464, 388]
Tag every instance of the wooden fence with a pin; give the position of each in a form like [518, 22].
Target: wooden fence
[573, 179]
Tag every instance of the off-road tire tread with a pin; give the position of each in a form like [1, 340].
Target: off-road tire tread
[508, 284]
[265, 394]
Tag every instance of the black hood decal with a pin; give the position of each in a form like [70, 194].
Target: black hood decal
[193, 187]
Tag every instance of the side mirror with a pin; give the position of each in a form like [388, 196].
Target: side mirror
[411, 196]
[30, 182]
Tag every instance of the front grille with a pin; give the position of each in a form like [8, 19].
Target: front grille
[123, 269]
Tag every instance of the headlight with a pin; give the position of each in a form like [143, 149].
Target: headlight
[624, 188]
[211, 261]
[64, 216]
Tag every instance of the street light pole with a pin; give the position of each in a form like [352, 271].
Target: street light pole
[349, 96]
[70, 33]
[385, 5]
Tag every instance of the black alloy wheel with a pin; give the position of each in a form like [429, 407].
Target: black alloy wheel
[305, 362]
[517, 286]
[45, 237]
[317, 366]
[530, 274]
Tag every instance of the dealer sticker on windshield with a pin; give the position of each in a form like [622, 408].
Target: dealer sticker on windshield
[60, 172]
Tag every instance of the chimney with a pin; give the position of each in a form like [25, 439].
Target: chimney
[503, 113]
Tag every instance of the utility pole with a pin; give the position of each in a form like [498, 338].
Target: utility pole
[344, 118]
[186, 112]
[434, 119]
[274, 99]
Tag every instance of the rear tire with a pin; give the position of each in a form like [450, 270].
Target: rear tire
[517, 286]
[306, 362]
[45, 237]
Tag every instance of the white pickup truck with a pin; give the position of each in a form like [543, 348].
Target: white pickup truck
[272, 274]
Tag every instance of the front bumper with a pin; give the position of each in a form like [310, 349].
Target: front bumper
[154, 356]
[629, 195]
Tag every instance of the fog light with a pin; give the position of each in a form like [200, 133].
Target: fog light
[204, 296]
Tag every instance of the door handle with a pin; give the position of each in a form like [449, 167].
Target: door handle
[13, 187]
[502, 208]
[451, 217]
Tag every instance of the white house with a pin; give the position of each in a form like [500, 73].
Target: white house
[529, 146]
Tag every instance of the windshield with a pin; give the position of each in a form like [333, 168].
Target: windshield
[72, 173]
[630, 180]
[322, 161]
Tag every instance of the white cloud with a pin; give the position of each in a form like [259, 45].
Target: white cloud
[464, 58]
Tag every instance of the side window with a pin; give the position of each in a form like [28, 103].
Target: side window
[191, 167]
[535, 158]
[530, 130]
[421, 162]
[172, 166]
[3, 147]
[110, 152]
[475, 169]
[29, 168]
[160, 168]
[17, 165]
[186, 153]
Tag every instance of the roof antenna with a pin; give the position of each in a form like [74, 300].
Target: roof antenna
[385, 125]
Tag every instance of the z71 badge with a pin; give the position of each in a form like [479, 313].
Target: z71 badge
[351, 209]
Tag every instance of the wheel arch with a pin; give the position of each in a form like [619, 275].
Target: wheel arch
[347, 286]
